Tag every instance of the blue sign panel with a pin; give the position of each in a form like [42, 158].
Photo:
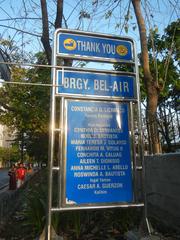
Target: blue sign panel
[95, 84]
[98, 164]
[91, 47]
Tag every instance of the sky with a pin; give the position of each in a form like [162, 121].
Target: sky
[160, 12]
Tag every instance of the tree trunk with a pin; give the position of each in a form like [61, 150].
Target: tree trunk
[164, 124]
[45, 32]
[58, 24]
[59, 15]
[150, 84]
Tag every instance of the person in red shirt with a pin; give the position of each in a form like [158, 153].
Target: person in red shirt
[20, 175]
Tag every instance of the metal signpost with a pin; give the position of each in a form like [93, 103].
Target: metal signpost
[97, 154]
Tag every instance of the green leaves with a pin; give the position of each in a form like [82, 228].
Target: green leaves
[25, 108]
[9, 154]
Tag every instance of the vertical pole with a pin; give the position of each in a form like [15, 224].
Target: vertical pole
[51, 141]
[134, 151]
[61, 148]
[140, 141]
[22, 146]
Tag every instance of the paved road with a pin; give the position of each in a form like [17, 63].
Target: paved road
[4, 178]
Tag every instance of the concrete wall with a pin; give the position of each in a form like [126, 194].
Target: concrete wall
[163, 189]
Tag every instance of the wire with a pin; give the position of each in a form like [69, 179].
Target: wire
[30, 84]
[32, 64]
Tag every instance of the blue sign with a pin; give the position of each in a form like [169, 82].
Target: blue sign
[94, 47]
[95, 84]
[98, 164]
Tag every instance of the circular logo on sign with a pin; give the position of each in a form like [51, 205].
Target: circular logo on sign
[121, 50]
[69, 44]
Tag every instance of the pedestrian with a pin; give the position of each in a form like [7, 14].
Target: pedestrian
[12, 178]
[20, 175]
[30, 169]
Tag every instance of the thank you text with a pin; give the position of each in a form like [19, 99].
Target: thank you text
[94, 47]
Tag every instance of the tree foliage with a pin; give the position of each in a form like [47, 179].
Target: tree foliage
[25, 108]
[165, 69]
[53, 17]
[164, 60]
[9, 155]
